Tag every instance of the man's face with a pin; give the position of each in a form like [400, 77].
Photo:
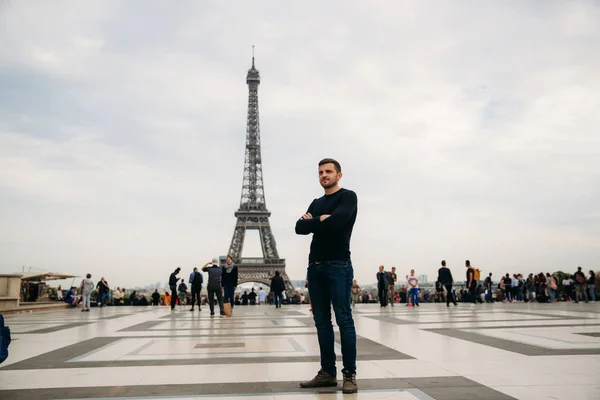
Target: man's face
[393, 269]
[381, 268]
[328, 177]
[412, 271]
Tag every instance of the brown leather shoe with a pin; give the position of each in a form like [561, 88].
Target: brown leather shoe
[323, 379]
[349, 385]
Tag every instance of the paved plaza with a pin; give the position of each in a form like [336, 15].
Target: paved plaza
[491, 351]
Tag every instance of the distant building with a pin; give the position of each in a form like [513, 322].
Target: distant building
[423, 279]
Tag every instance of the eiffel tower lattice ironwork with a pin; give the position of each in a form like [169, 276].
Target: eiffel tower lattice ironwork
[253, 213]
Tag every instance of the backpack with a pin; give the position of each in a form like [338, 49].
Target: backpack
[580, 278]
[477, 274]
[4, 340]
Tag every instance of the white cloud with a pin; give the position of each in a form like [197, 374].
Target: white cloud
[467, 131]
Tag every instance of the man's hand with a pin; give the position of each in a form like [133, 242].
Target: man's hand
[307, 216]
[324, 217]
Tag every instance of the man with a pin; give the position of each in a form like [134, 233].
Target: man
[471, 283]
[330, 219]
[580, 281]
[182, 292]
[355, 293]
[277, 287]
[413, 284]
[214, 286]
[245, 298]
[229, 280]
[87, 287]
[262, 296]
[252, 297]
[103, 289]
[446, 279]
[71, 297]
[383, 285]
[488, 288]
[173, 285]
[196, 280]
[155, 297]
[391, 288]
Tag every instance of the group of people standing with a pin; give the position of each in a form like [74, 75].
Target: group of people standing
[543, 288]
[386, 287]
[222, 282]
[86, 288]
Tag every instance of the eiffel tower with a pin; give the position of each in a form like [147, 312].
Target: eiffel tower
[253, 213]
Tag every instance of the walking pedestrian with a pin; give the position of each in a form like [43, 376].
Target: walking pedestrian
[446, 279]
[580, 282]
[383, 284]
[262, 296]
[330, 219]
[155, 297]
[214, 286]
[87, 287]
[392, 286]
[103, 289]
[592, 285]
[471, 282]
[229, 280]
[196, 280]
[488, 284]
[277, 287]
[413, 284]
[173, 286]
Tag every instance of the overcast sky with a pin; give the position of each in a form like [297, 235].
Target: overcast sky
[468, 129]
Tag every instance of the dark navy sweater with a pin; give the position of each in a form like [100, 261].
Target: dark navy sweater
[331, 238]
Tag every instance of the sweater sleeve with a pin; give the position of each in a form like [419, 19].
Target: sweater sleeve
[342, 214]
[308, 226]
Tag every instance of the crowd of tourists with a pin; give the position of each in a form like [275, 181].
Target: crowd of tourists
[221, 285]
[541, 288]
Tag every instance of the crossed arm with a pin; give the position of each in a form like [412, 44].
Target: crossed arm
[334, 222]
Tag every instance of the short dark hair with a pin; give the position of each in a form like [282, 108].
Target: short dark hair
[468, 263]
[338, 167]
[88, 276]
[277, 273]
[443, 263]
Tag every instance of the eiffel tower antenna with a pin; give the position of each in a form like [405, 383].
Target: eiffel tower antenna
[253, 213]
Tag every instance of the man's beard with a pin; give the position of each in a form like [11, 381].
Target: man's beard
[330, 184]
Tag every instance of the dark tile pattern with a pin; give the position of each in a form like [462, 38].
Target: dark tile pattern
[442, 388]
[508, 345]
[367, 350]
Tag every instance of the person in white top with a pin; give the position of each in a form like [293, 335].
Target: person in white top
[262, 296]
[87, 287]
[413, 284]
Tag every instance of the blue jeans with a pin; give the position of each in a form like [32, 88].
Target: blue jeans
[278, 297]
[551, 293]
[101, 299]
[228, 294]
[592, 289]
[330, 283]
[414, 295]
[488, 296]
